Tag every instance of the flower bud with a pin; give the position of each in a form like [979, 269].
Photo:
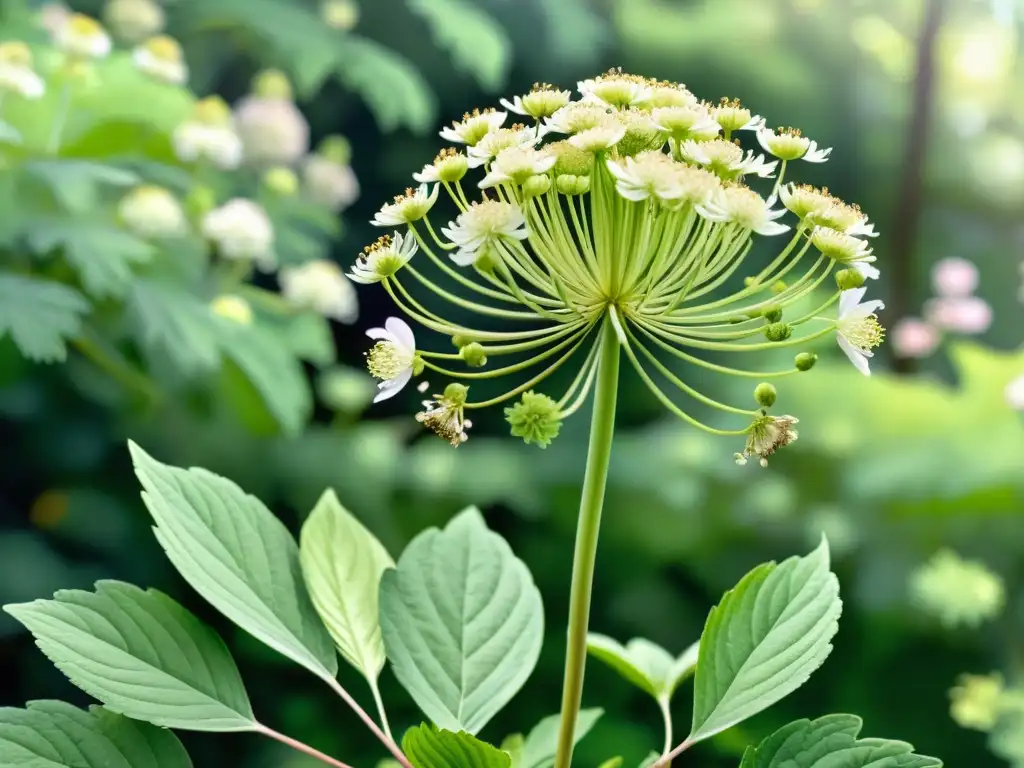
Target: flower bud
[233, 308]
[152, 212]
[536, 418]
[573, 185]
[281, 181]
[535, 186]
[272, 129]
[340, 14]
[272, 84]
[805, 361]
[778, 331]
[765, 394]
[335, 148]
[570, 160]
[474, 355]
[848, 279]
[778, 287]
[461, 340]
[456, 394]
[772, 314]
[133, 20]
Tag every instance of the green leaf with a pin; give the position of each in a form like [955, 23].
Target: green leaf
[308, 336]
[343, 563]
[101, 254]
[76, 184]
[238, 555]
[428, 747]
[831, 742]
[763, 640]
[514, 745]
[142, 654]
[539, 750]
[173, 323]
[650, 760]
[392, 87]
[614, 762]
[646, 665]
[9, 134]
[47, 734]
[477, 43]
[462, 622]
[40, 316]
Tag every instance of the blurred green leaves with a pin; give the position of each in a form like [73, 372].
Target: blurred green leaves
[40, 316]
[646, 665]
[477, 44]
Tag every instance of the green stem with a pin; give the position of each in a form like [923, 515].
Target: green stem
[380, 708]
[59, 119]
[666, 714]
[602, 428]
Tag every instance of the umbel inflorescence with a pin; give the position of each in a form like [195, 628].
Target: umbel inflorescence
[633, 206]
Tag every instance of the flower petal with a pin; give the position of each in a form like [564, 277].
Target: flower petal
[401, 333]
[858, 358]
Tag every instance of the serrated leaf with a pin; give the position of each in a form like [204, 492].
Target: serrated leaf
[342, 563]
[462, 622]
[102, 255]
[428, 747]
[646, 665]
[238, 555]
[47, 734]
[75, 184]
[763, 640]
[40, 316]
[831, 742]
[392, 87]
[477, 43]
[540, 746]
[172, 322]
[142, 654]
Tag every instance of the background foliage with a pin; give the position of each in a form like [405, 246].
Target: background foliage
[893, 469]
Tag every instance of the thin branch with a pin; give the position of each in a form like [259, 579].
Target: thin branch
[300, 747]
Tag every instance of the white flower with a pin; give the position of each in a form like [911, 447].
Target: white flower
[383, 259]
[542, 101]
[960, 314]
[515, 165]
[616, 90]
[484, 224]
[954, 277]
[913, 337]
[485, 150]
[743, 206]
[726, 158]
[767, 435]
[733, 116]
[273, 130]
[840, 246]
[83, 37]
[241, 230]
[866, 269]
[474, 126]
[1014, 394]
[649, 174]
[161, 58]
[958, 592]
[16, 72]
[152, 212]
[328, 183]
[53, 16]
[788, 144]
[849, 219]
[133, 20]
[392, 358]
[805, 200]
[407, 208]
[449, 166]
[575, 117]
[682, 123]
[209, 136]
[321, 286]
[858, 331]
[599, 138]
[669, 95]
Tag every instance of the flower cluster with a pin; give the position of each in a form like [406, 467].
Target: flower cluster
[631, 210]
[958, 592]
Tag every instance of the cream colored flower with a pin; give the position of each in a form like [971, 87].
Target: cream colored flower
[733, 116]
[483, 225]
[16, 72]
[616, 89]
[840, 247]
[649, 174]
[83, 37]
[407, 208]
[515, 165]
[273, 130]
[789, 144]
[152, 212]
[384, 258]
[599, 138]
[767, 435]
[976, 701]
[485, 150]
[208, 136]
[392, 358]
[543, 100]
[132, 21]
[474, 126]
[321, 286]
[162, 58]
[328, 183]
[233, 308]
[743, 206]
[241, 230]
[726, 158]
[858, 331]
[449, 166]
[958, 592]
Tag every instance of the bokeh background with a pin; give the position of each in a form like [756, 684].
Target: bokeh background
[923, 101]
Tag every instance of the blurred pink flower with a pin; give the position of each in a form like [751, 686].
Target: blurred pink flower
[963, 314]
[913, 337]
[954, 277]
[1015, 394]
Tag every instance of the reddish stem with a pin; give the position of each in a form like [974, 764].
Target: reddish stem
[389, 743]
[300, 747]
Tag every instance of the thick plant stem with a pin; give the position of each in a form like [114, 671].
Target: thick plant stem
[602, 427]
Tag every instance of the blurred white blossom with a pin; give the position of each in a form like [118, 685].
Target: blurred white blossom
[329, 183]
[233, 308]
[152, 212]
[322, 287]
[954, 277]
[966, 314]
[83, 37]
[162, 58]
[958, 592]
[16, 72]
[272, 129]
[1015, 393]
[134, 20]
[241, 230]
[340, 14]
[975, 702]
[209, 136]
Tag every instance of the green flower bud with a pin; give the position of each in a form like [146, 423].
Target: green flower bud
[536, 418]
[573, 185]
[281, 181]
[336, 149]
[778, 331]
[749, 282]
[535, 186]
[848, 279]
[456, 394]
[765, 394]
[570, 161]
[474, 355]
[805, 361]
[345, 390]
[460, 340]
[488, 260]
[773, 313]
[272, 84]
[417, 365]
[778, 287]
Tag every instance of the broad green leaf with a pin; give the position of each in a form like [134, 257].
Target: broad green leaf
[477, 43]
[462, 622]
[238, 555]
[514, 745]
[342, 563]
[428, 747]
[141, 654]
[646, 665]
[831, 742]
[650, 760]
[102, 255]
[614, 762]
[76, 184]
[47, 734]
[171, 322]
[764, 639]
[308, 337]
[539, 750]
[40, 316]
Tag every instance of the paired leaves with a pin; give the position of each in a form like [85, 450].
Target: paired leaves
[40, 316]
[763, 640]
[831, 742]
[646, 665]
[428, 747]
[343, 563]
[462, 622]
[142, 654]
[239, 556]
